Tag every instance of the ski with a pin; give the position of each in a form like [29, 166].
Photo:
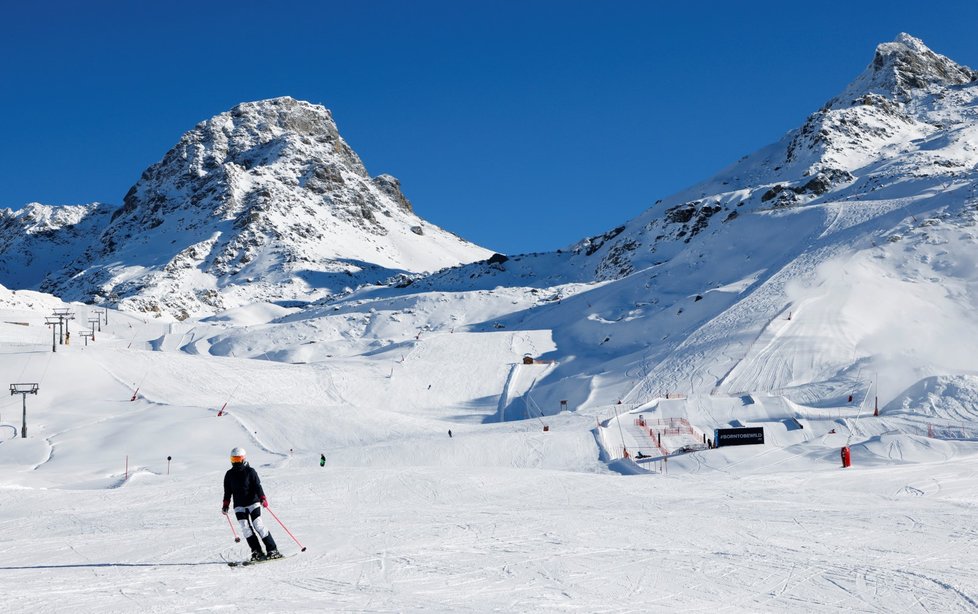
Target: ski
[255, 561]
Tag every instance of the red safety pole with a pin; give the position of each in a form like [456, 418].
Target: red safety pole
[236, 538]
[286, 528]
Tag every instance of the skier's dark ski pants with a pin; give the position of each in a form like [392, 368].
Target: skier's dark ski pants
[249, 518]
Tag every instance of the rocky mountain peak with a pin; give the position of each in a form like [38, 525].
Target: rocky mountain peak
[265, 201]
[250, 163]
[250, 124]
[905, 93]
[901, 67]
[909, 64]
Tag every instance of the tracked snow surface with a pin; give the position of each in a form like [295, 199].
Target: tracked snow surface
[805, 289]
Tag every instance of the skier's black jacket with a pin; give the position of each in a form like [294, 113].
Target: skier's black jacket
[242, 482]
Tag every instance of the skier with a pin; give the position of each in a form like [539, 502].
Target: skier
[322, 460]
[242, 482]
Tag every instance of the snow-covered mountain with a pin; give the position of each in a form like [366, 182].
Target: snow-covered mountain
[40, 238]
[678, 298]
[908, 122]
[902, 137]
[264, 202]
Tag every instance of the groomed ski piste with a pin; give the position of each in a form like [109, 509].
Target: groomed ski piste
[530, 505]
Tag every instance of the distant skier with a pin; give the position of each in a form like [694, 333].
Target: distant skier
[322, 460]
[241, 481]
[449, 433]
[67, 337]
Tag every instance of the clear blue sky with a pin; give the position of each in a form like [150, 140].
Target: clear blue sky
[520, 125]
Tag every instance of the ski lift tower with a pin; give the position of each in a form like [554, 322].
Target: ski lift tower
[23, 390]
[64, 314]
[53, 322]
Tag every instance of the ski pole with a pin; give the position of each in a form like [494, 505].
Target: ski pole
[236, 538]
[286, 528]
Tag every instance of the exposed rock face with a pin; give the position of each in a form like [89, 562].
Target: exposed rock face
[263, 202]
[391, 186]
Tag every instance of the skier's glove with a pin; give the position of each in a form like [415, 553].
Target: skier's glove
[224, 508]
[264, 502]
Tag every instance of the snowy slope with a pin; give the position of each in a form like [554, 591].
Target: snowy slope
[502, 515]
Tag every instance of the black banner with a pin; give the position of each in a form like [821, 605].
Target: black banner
[739, 437]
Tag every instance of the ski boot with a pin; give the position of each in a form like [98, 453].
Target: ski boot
[272, 549]
[255, 545]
